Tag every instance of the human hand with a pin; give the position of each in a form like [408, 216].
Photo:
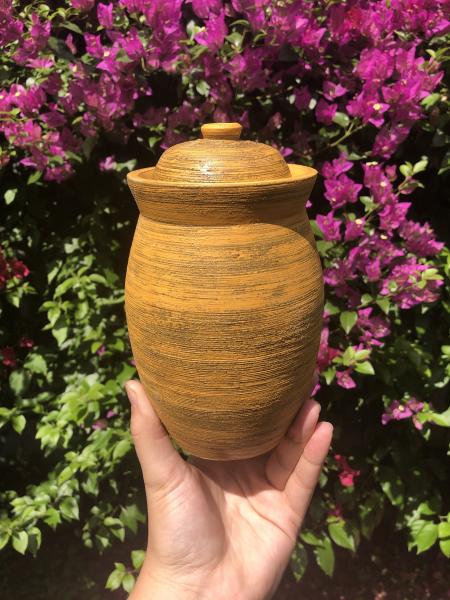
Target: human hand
[222, 530]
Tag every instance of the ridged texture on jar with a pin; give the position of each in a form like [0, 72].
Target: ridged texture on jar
[224, 295]
[238, 161]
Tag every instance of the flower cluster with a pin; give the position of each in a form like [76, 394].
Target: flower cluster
[397, 411]
[8, 355]
[386, 257]
[347, 475]
[11, 268]
[92, 66]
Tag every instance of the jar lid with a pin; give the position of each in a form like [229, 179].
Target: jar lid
[221, 158]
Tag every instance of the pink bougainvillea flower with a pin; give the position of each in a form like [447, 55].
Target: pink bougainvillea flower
[336, 511]
[354, 229]
[330, 226]
[26, 342]
[398, 411]
[333, 90]
[341, 190]
[331, 170]
[420, 239]
[302, 97]
[393, 215]
[406, 287]
[326, 352]
[214, 33]
[8, 356]
[344, 379]
[347, 475]
[373, 327]
[203, 8]
[100, 424]
[105, 15]
[83, 5]
[108, 164]
[19, 269]
[325, 112]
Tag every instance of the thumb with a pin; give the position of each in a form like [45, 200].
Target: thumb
[160, 462]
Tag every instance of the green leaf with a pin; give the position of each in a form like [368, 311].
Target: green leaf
[299, 561]
[341, 119]
[365, 368]
[9, 195]
[128, 582]
[348, 320]
[444, 538]
[323, 247]
[20, 541]
[125, 374]
[341, 535]
[72, 27]
[331, 308]
[60, 334]
[115, 580]
[131, 516]
[18, 422]
[392, 485]
[34, 540]
[121, 448]
[202, 88]
[69, 508]
[444, 545]
[442, 419]
[4, 538]
[235, 39]
[18, 381]
[349, 356]
[329, 375]
[362, 354]
[420, 166]
[426, 537]
[325, 556]
[34, 177]
[406, 170]
[384, 304]
[366, 299]
[64, 287]
[371, 513]
[430, 100]
[444, 529]
[137, 558]
[36, 363]
[52, 517]
[311, 538]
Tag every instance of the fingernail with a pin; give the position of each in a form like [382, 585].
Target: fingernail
[131, 393]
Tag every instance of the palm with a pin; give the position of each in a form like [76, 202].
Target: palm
[229, 523]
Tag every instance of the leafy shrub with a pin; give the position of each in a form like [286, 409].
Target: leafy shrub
[91, 90]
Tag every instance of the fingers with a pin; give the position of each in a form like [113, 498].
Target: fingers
[300, 485]
[284, 458]
[160, 462]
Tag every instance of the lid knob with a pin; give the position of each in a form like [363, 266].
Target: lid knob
[221, 131]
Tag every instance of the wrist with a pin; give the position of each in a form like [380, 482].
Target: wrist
[154, 584]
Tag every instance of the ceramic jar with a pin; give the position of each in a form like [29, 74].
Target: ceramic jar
[224, 292]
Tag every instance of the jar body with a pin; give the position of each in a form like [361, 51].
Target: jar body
[225, 322]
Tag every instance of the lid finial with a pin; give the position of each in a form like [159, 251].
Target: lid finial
[221, 131]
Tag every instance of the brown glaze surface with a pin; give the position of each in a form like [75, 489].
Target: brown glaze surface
[224, 299]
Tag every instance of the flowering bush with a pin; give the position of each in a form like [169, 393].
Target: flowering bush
[90, 90]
